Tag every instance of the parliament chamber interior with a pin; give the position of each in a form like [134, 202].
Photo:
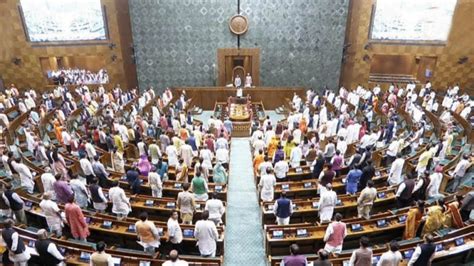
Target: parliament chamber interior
[236, 132]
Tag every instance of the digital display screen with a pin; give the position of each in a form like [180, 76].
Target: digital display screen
[421, 20]
[63, 20]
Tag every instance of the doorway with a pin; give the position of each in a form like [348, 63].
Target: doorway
[234, 61]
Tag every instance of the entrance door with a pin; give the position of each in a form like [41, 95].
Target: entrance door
[233, 62]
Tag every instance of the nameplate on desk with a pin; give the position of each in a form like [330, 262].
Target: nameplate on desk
[382, 223]
[178, 185]
[285, 186]
[377, 173]
[293, 205]
[62, 250]
[218, 188]
[124, 177]
[171, 205]
[301, 233]
[85, 256]
[299, 170]
[131, 228]
[277, 234]
[307, 185]
[116, 261]
[144, 263]
[339, 202]
[188, 233]
[28, 204]
[107, 224]
[402, 219]
[356, 227]
[149, 203]
[407, 254]
[439, 247]
[31, 243]
[315, 204]
[459, 241]
[381, 195]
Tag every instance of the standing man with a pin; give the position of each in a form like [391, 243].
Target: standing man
[216, 209]
[363, 255]
[327, 203]
[15, 203]
[460, 171]
[120, 202]
[147, 233]
[267, 185]
[175, 235]
[248, 81]
[25, 175]
[77, 222]
[405, 193]
[295, 259]
[206, 234]
[237, 82]
[424, 253]
[366, 200]
[15, 245]
[335, 234]
[52, 214]
[186, 204]
[395, 174]
[48, 251]
[283, 209]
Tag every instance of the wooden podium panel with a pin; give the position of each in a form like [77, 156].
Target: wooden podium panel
[271, 97]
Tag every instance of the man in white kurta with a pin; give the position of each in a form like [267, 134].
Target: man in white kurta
[172, 153]
[296, 156]
[395, 174]
[25, 175]
[186, 152]
[327, 203]
[206, 235]
[120, 202]
[52, 214]
[216, 209]
[48, 180]
[267, 185]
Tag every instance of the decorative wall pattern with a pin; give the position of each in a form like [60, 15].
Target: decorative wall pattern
[176, 41]
[301, 41]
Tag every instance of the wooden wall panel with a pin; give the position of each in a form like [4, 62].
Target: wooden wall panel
[13, 44]
[447, 71]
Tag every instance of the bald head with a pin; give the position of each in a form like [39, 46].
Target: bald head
[173, 255]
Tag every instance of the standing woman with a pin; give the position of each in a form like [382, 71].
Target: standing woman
[219, 175]
[80, 191]
[452, 215]
[413, 220]
[76, 221]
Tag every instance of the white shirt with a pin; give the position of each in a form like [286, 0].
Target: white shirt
[174, 231]
[330, 231]
[216, 208]
[267, 184]
[281, 168]
[461, 167]
[222, 155]
[178, 262]
[395, 175]
[86, 166]
[390, 258]
[433, 186]
[48, 180]
[119, 200]
[206, 234]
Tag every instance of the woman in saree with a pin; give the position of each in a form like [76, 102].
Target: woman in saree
[434, 218]
[272, 146]
[144, 166]
[452, 216]
[219, 174]
[182, 172]
[118, 162]
[413, 220]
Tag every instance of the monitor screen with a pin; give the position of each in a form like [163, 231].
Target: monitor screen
[407, 254]
[381, 195]
[439, 247]
[85, 256]
[31, 243]
[107, 224]
[402, 218]
[144, 263]
[189, 233]
[116, 261]
[356, 227]
[408, 20]
[177, 185]
[381, 223]
[63, 20]
[301, 232]
[285, 186]
[307, 185]
[149, 202]
[315, 204]
[170, 205]
[278, 233]
[218, 188]
[131, 228]
[459, 241]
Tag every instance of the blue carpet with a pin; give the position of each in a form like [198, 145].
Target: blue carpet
[244, 243]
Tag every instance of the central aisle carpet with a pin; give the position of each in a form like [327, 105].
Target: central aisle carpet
[244, 244]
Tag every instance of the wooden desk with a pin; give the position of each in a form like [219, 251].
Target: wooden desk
[305, 210]
[271, 97]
